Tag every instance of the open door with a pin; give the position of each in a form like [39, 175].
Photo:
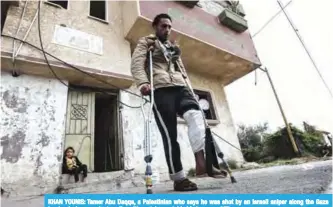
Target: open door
[80, 126]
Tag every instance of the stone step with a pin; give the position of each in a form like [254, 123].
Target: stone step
[92, 177]
[110, 181]
[97, 182]
[107, 185]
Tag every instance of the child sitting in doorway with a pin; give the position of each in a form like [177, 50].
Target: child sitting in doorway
[72, 165]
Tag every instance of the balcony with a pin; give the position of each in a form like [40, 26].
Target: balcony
[208, 47]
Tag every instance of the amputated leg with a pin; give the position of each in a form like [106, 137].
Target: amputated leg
[196, 133]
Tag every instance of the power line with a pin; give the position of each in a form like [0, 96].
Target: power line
[49, 66]
[305, 48]
[48, 63]
[56, 76]
[271, 19]
[75, 68]
[54, 73]
[25, 42]
[226, 141]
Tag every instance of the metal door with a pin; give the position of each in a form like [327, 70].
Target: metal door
[80, 123]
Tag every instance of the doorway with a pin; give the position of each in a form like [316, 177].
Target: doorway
[106, 150]
[94, 130]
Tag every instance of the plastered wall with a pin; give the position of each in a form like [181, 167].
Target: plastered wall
[33, 108]
[116, 50]
[32, 132]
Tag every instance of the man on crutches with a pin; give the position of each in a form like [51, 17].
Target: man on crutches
[172, 97]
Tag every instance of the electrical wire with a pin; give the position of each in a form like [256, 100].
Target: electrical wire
[305, 48]
[50, 67]
[25, 42]
[67, 64]
[269, 21]
[226, 141]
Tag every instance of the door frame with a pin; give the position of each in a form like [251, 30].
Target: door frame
[118, 127]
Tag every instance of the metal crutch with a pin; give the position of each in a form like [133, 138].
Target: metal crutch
[219, 152]
[147, 131]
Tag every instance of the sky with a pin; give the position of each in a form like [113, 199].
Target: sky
[303, 95]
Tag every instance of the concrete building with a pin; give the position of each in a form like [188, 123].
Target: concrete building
[40, 115]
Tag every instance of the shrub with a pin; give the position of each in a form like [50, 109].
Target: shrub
[232, 164]
[191, 172]
[250, 140]
[279, 144]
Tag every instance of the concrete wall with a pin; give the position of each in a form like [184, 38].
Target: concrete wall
[133, 130]
[129, 7]
[33, 109]
[32, 132]
[116, 50]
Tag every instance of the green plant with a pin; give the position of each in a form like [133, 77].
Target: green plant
[191, 172]
[252, 154]
[250, 138]
[278, 144]
[234, 6]
[232, 164]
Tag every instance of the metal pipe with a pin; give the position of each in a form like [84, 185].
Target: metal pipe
[26, 34]
[18, 30]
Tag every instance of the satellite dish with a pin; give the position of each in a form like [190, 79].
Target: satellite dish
[204, 104]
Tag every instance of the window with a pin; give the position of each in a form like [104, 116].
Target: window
[98, 10]
[206, 103]
[62, 4]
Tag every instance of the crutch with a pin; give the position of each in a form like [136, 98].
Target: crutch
[211, 146]
[147, 130]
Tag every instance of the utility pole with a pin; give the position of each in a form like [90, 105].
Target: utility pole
[291, 137]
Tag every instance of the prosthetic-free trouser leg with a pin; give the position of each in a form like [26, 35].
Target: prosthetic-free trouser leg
[165, 112]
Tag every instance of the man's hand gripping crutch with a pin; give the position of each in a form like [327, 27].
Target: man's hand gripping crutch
[148, 90]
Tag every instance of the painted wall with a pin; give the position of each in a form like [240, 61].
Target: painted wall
[33, 109]
[133, 130]
[116, 50]
[32, 132]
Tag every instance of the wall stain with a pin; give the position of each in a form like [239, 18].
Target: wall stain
[59, 157]
[12, 146]
[38, 164]
[45, 140]
[138, 147]
[48, 93]
[12, 101]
